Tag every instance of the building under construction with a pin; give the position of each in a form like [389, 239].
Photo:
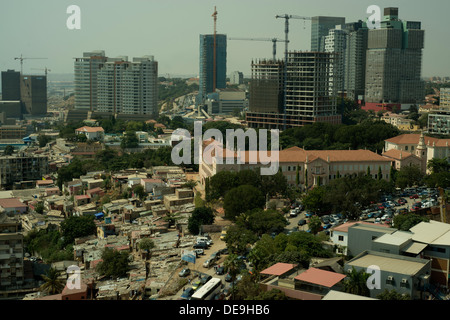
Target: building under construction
[307, 92]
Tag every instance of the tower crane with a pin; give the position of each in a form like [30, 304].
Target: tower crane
[274, 41]
[286, 32]
[45, 69]
[21, 58]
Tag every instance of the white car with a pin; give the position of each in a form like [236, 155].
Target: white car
[293, 213]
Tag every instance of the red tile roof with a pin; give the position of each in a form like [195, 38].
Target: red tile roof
[279, 269]
[11, 203]
[413, 138]
[320, 277]
[90, 129]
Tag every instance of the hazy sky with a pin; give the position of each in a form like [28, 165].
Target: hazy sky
[170, 29]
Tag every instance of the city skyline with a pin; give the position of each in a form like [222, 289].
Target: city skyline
[169, 30]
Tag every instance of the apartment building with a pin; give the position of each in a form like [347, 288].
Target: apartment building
[86, 75]
[11, 253]
[394, 61]
[22, 167]
[306, 93]
[439, 122]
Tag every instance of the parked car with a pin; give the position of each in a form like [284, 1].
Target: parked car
[187, 293]
[301, 222]
[196, 284]
[327, 226]
[414, 196]
[185, 272]
[220, 270]
[201, 245]
[205, 279]
[199, 252]
[208, 263]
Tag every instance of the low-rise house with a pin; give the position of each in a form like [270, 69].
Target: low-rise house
[92, 133]
[13, 205]
[42, 184]
[80, 200]
[406, 275]
[150, 184]
[300, 284]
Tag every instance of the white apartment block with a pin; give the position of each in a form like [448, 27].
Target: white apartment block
[116, 85]
[335, 42]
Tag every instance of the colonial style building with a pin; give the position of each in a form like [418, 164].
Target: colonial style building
[423, 147]
[307, 167]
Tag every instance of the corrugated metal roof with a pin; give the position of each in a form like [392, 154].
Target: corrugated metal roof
[279, 268]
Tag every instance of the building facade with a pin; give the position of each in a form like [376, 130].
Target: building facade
[207, 73]
[237, 78]
[444, 98]
[10, 85]
[320, 25]
[307, 98]
[439, 122]
[126, 87]
[394, 61]
[86, 71]
[336, 43]
[22, 167]
[11, 254]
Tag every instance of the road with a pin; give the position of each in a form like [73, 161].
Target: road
[198, 267]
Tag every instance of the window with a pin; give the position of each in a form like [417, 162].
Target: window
[406, 147]
[341, 238]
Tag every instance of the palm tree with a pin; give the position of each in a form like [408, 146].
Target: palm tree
[356, 282]
[52, 284]
[231, 265]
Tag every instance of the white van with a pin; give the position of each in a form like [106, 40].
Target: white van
[204, 239]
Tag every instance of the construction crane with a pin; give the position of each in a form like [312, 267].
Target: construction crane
[274, 40]
[45, 69]
[214, 15]
[286, 33]
[21, 61]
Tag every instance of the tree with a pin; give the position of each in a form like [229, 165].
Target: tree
[438, 165]
[147, 245]
[139, 190]
[129, 140]
[238, 239]
[75, 227]
[43, 140]
[314, 224]
[232, 266]
[114, 263]
[199, 217]
[392, 295]
[314, 200]
[242, 199]
[356, 282]
[52, 284]
[409, 176]
[273, 294]
[9, 150]
[404, 222]
[262, 221]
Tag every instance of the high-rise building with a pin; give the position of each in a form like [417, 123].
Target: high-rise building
[335, 42]
[320, 26]
[237, 78]
[394, 61]
[127, 87]
[355, 59]
[10, 85]
[207, 72]
[116, 85]
[308, 98]
[11, 253]
[33, 92]
[86, 70]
